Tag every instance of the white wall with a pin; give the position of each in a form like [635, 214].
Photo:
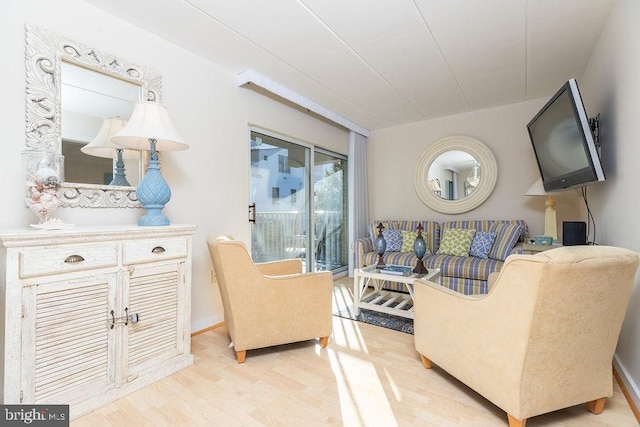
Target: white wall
[611, 84]
[394, 152]
[209, 182]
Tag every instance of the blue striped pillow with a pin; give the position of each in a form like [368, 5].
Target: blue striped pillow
[507, 235]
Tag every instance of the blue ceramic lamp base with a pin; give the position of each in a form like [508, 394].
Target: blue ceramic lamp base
[119, 178]
[153, 192]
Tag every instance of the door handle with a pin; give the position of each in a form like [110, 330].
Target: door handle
[252, 213]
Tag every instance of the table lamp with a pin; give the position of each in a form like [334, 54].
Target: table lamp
[550, 224]
[101, 146]
[149, 128]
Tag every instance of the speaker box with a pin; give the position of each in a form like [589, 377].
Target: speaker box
[574, 233]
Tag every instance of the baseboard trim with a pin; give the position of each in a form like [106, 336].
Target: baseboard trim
[626, 384]
[207, 329]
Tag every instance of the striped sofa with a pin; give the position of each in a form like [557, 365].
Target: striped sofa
[467, 275]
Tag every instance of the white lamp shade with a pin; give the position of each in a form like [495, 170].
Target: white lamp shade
[149, 120]
[101, 145]
[537, 189]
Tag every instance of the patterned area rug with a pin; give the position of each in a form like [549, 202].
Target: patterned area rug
[383, 320]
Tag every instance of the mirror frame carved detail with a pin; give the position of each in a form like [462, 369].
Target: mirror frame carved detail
[488, 168]
[45, 52]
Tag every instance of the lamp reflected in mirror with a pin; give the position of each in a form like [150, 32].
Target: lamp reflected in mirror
[472, 180]
[101, 146]
[435, 186]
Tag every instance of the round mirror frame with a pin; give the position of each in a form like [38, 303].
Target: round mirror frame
[488, 174]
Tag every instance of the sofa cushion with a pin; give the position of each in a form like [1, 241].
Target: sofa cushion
[463, 267]
[456, 241]
[482, 243]
[430, 230]
[507, 235]
[394, 258]
[393, 239]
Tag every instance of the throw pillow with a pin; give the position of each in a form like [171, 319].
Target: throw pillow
[507, 235]
[408, 237]
[482, 243]
[456, 241]
[394, 240]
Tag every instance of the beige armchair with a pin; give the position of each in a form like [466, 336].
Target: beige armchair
[267, 304]
[542, 339]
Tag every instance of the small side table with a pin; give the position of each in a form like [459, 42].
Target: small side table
[531, 249]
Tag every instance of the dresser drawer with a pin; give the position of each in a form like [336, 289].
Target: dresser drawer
[66, 258]
[154, 250]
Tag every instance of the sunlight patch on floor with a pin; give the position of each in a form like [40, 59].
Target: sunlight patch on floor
[362, 397]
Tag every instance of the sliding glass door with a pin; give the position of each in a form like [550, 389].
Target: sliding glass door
[330, 211]
[285, 189]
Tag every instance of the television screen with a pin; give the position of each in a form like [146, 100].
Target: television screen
[563, 142]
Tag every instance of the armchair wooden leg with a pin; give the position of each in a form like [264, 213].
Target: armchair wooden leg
[241, 356]
[425, 362]
[596, 406]
[514, 422]
[324, 341]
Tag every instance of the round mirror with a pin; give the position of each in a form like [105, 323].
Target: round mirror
[455, 174]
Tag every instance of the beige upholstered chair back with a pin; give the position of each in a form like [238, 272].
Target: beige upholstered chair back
[544, 336]
[232, 265]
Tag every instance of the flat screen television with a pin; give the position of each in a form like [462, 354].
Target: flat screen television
[564, 143]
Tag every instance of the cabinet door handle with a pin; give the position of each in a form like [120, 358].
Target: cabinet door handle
[158, 250]
[73, 259]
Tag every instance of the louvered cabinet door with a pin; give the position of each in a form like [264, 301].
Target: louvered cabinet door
[66, 322]
[156, 295]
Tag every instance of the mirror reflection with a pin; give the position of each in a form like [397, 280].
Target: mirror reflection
[90, 101]
[454, 175]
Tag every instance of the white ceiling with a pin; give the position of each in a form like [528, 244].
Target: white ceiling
[382, 63]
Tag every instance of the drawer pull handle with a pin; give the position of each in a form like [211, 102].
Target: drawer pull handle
[158, 250]
[71, 259]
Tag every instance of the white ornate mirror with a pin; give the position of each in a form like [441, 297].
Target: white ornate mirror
[71, 87]
[455, 175]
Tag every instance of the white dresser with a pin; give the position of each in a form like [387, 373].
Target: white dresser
[90, 315]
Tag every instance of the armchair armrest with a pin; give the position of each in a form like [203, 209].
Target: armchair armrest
[280, 268]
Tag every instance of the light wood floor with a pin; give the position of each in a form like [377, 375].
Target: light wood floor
[367, 376]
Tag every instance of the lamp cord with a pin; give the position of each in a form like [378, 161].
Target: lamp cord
[590, 219]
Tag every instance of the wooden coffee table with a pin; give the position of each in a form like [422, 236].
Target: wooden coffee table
[382, 300]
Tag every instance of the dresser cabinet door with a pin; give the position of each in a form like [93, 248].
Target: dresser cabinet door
[68, 345]
[154, 294]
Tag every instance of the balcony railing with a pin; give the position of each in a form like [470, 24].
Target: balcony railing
[280, 235]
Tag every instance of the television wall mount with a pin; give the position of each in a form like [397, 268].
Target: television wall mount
[594, 124]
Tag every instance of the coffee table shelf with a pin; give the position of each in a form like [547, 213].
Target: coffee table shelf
[382, 300]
